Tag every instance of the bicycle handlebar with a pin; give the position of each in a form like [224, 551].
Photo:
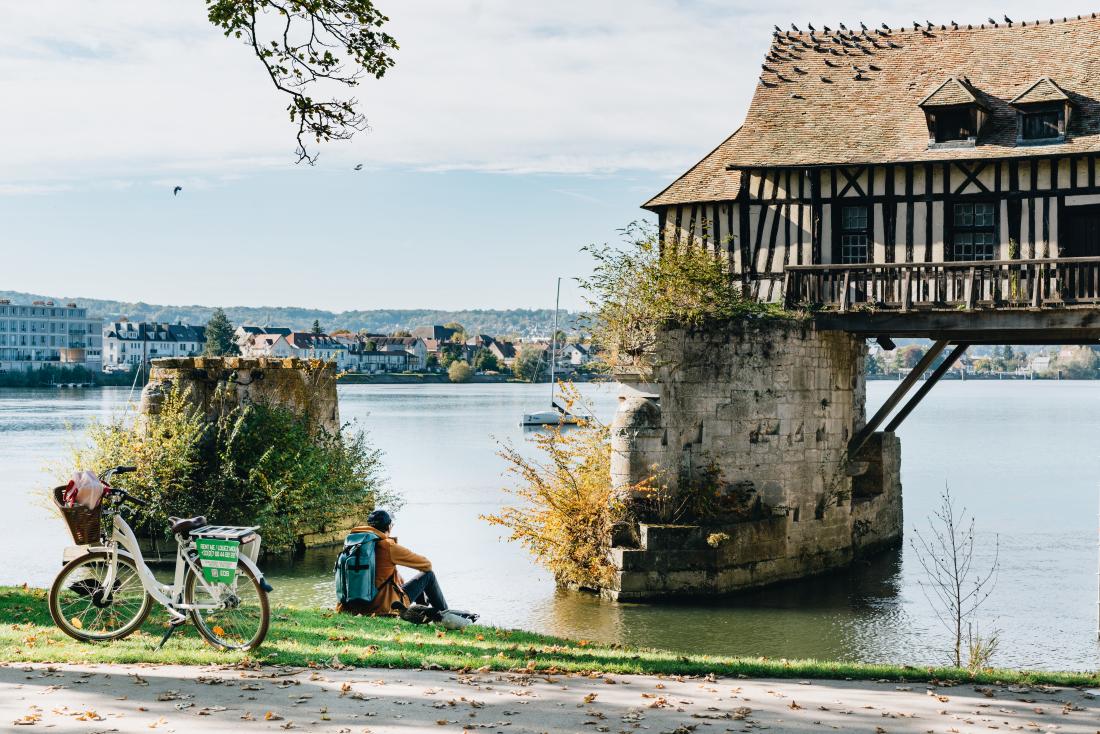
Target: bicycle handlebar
[125, 496]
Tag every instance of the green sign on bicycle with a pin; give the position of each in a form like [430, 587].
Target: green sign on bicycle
[218, 559]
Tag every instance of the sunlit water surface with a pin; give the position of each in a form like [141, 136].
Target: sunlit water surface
[1021, 456]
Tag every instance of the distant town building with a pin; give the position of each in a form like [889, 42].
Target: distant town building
[505, 352]
[577, 355]
[437, 333]
[127, 344]
[269, 346]
[415, 345]
[243, 333]
[307, 345]
[44, 333]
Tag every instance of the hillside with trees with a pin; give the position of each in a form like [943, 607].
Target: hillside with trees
[498, 322]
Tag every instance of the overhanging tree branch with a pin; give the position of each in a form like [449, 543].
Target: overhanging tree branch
[304, 44]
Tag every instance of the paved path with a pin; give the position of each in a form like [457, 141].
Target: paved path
[141, 698]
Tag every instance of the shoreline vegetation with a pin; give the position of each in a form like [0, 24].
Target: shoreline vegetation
[322, 638]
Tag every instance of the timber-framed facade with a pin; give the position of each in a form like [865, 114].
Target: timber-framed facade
[897, 172]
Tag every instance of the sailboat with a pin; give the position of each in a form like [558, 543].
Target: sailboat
[557, 415]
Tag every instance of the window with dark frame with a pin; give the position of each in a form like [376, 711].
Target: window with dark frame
[855, 234]
[955, 123]
[974, 231]
[1046, 123]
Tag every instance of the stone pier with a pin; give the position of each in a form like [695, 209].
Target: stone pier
[305, 386]
[756, 416]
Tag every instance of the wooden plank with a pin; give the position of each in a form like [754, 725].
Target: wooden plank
[1046, 226]
[909, 213]
[926, 388]
[801, 214]
[743, 229]
[928, 212]
[896, 397]
[815, 216]
[889, 217]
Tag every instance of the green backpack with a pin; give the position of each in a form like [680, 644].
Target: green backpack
[355, 569]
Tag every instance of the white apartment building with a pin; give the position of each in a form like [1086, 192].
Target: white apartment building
[44, 333]
[129, 343]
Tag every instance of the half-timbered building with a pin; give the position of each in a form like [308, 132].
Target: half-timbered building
[950, 167]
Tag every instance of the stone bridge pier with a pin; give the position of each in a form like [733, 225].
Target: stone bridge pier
[757, 416]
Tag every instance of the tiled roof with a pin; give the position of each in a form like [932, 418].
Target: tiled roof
[1043, 90]
[952, 92]
[707, 180]
[848, 97]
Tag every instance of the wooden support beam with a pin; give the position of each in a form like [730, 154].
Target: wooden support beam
[926, 388]
[896, 397]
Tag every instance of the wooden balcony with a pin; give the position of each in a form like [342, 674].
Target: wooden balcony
[1054, 300]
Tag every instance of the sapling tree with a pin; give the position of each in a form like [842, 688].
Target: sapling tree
[954, 586]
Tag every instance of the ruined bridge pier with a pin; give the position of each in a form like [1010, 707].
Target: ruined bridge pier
[762, 414]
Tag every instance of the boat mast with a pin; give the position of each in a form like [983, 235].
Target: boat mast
[553, 343]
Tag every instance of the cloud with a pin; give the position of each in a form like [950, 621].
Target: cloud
[120, 89]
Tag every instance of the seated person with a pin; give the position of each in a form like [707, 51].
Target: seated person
[422, 588]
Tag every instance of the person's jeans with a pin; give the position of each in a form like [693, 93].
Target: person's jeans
[424, 588]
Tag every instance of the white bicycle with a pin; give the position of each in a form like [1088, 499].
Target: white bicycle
[106, 592]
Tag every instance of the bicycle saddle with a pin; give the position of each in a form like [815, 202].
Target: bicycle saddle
[182, 526]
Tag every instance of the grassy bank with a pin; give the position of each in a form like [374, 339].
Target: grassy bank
[316, 636]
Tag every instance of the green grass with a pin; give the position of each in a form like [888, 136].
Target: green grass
[314, 636]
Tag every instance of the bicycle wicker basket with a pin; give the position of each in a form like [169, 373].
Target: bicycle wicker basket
[84, 524]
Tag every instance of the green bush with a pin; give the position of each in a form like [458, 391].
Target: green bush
[252, 465]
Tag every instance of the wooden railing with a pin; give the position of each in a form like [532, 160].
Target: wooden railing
[983, 284]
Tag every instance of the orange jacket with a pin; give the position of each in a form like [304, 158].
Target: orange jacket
[388, 556]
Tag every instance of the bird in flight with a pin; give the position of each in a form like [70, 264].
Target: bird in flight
[358, 166]
[176, 191]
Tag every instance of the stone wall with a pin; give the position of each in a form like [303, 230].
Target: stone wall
[761, 413]
[305, 386]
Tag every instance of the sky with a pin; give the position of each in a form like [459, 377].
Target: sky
[507, 137]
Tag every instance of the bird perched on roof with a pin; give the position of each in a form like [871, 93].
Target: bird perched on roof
[827, 29]
[861, 25]
[954, 24]
[843, 27]
[916, 26]
[781, 78]
[872, 67]
[827, 80]
[831, 63]
[795, 28]
[993, 21]
[176, 191]
[1008, 20]
[765, 67]
[778, 29]
[885, 27]
[798, 70]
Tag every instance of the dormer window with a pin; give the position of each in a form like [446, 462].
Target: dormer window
[1042, 113]
[954, 114]
[954, 123]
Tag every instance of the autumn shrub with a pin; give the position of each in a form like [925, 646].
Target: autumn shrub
[566, 510]
[636, 290]
[459, 371]
[256, 464]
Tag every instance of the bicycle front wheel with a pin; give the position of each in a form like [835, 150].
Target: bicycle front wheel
[85, 609]
[233, 616]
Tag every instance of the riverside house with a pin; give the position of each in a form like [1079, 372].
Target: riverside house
[937, 166]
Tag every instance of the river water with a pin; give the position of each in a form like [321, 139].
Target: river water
[1021, 456]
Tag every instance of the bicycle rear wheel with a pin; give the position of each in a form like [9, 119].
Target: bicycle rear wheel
[84, 610]
[236, 616]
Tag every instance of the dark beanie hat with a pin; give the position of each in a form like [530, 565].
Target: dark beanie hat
[380, 519]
